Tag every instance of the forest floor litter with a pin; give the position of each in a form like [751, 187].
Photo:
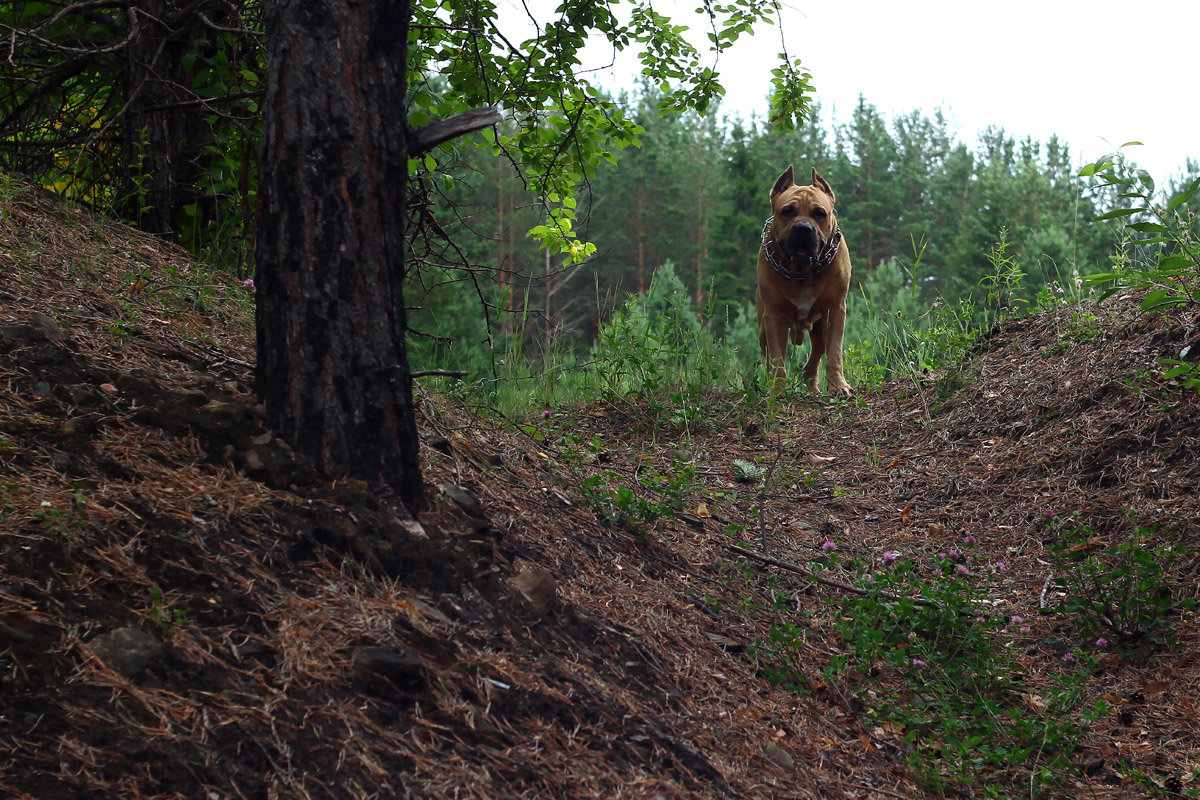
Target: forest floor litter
[186, 611]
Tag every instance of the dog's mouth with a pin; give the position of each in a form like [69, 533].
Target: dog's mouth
[798, 251]
[801, 243]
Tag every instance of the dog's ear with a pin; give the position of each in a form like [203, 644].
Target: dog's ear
[822, 184]
[786, 181]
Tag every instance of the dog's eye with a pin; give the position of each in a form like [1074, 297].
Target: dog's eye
[787, 212]
[819, 213]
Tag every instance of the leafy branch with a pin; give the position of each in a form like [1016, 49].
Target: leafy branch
[559, 127]
[1175, 279]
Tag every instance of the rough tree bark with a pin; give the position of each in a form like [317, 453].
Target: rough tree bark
[333, 371]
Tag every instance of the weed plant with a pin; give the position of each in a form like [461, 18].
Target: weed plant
[1119, 593]
[1160, 255]
[1004, 280]
[637, 504]
[924, 650]
[927, 655]
[656, 351]
[167, 618]
[892, 333]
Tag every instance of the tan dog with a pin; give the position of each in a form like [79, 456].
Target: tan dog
[803, 278]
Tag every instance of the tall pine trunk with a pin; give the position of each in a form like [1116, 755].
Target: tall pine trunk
[333, 370]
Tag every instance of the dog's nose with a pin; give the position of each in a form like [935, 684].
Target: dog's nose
[802, 239]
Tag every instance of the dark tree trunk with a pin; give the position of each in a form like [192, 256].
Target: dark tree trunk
[164, 131]
[333, 370]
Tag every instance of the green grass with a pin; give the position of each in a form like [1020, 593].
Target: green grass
[666, 359]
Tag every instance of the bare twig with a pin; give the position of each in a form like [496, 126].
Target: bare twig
[846, 587]
[440, 373]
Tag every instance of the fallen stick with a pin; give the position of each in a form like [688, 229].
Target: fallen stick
[799, 570]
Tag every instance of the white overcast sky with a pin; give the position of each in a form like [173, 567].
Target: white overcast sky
[1098, 74]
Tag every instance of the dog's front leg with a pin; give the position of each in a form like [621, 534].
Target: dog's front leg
[835, 380]
[819, 342]
[773, 339]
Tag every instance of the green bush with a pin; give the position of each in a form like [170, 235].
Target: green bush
[1120, 590]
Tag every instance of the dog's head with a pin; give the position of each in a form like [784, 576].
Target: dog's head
[804, 219]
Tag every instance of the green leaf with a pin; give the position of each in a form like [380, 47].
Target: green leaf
[1148, 227]
[1183, 196]
[1156, 299]
[1176, 261]
[1116, 213]
[1175, 372]
[1146, 180]
[746, 472]
[1099, 165]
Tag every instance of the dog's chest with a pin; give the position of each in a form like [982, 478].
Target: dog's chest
[803, 302]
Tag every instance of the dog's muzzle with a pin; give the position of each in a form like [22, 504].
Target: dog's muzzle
[802, 242]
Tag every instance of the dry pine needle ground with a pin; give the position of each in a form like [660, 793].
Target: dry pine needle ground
[547, 655]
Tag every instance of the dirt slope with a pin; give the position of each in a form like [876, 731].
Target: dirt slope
[185, 611]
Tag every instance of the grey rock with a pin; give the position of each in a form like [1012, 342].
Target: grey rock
[778, 756]
[129, 651]
[464, 499]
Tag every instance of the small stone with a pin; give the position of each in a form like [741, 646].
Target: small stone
[255, 651]
[254, 461]
[778, 756]
[387, 671]
[441, 444]
[128, 651]
[464, 499]
[537, 585]
[48, 327]
[725, 643]
[194, 398]
[352, 492]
